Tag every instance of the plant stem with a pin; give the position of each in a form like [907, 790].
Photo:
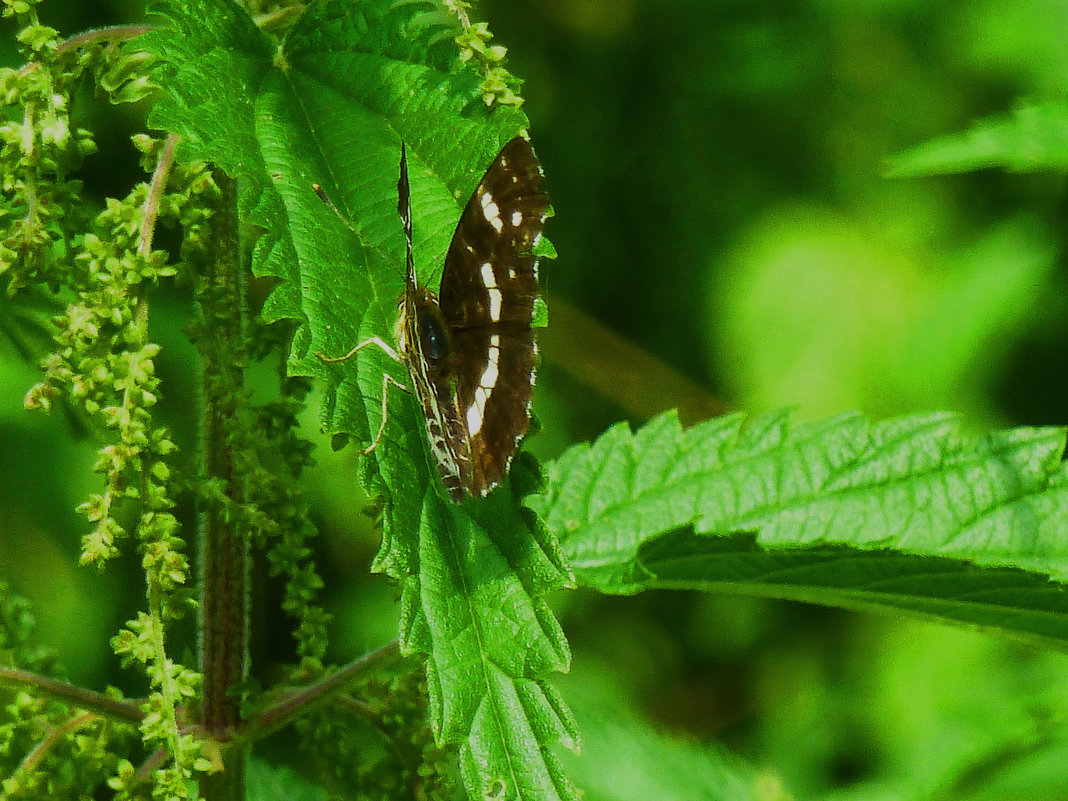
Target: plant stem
[224, 539]
[115, 33]
[56, 735]
[118, 33]
[156, 594]
[296, 702]
[150, 209]
[98, 703]
[168, 691]
[617, 369]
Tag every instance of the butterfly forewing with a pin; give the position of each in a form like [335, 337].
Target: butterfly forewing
[488, 290]
[492, 243]
[472, 355]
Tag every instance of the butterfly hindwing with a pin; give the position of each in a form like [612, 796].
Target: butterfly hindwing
[494, 401]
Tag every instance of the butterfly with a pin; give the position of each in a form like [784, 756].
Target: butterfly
[469, 349]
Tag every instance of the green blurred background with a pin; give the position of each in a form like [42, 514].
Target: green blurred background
[716, 170]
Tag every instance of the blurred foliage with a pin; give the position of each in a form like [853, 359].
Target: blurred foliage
[718, 175]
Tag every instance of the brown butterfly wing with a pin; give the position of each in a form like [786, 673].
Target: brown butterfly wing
[489, 287]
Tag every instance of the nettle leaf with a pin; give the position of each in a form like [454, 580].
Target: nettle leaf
[269, 783]
[907, 515]
[331, 105]
[625, 758]
[1034, 137]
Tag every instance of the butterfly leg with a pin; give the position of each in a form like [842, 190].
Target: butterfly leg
[378, 343]
[387, 379]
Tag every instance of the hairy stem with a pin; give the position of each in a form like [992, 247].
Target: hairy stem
[97, 703]
[296, 702]
[224, 540]
[168, 690]
[40, 751]
[150, 210]
[276, 21]
[116, 33]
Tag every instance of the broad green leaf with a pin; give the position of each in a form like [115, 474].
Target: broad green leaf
[624, 758]
[908, 514]
[987, 290]
[269, 783]
[1033, 138]
[331, 105]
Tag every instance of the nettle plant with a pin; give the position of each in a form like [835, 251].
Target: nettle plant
[904, 516]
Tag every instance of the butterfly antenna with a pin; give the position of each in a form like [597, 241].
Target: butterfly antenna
[330, 204]
[404, 209]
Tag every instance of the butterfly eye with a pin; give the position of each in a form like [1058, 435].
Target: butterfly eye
[434, 339]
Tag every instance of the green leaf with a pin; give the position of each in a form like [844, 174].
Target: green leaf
[1034, 138]
[269, 783]
[476, 607]
[907, 514]
[331, 105]
[995, 285]
[624, 758]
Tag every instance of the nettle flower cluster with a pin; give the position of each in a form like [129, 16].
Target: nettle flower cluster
[98, 271]
[90, 276]
[97, 268]
[104, 363]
